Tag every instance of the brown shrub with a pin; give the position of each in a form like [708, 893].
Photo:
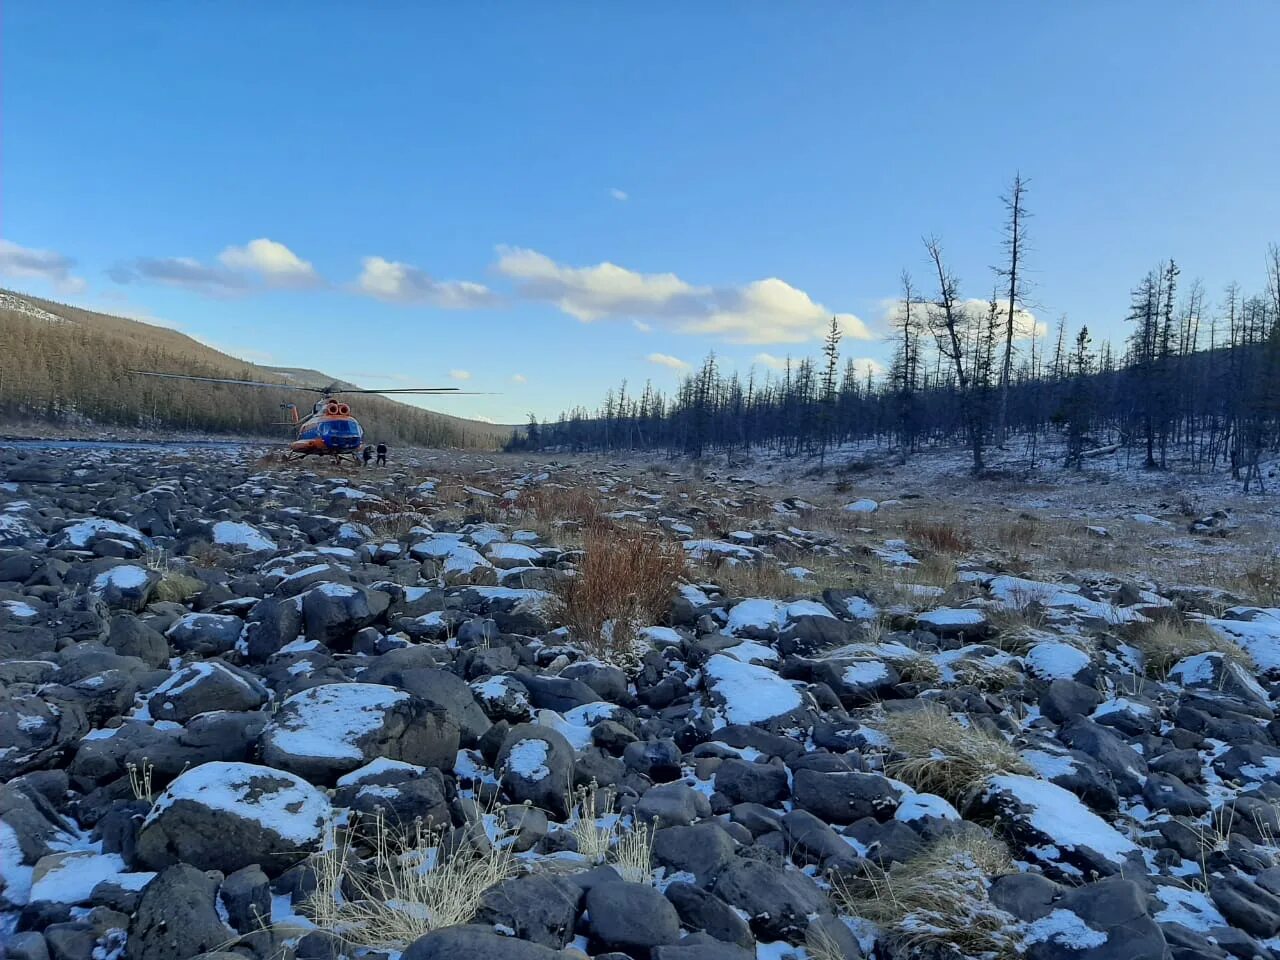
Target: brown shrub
[624, 583]
[940, 536]
[547, 505]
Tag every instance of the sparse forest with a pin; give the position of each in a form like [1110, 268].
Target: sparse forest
[61, 364]
[1196, 378]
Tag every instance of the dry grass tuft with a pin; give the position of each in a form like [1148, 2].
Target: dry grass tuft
[602, 837]
[1165, 642]
[938, 898]
[1260, 581]
[209, 555]
[752, 580]
[559, 515]
[940, 536]
[983, 674]
[174, 586]
[912, 666]
[405, 887]
[1018, 536]
[624, 583]
[393, 515]
[941, 755]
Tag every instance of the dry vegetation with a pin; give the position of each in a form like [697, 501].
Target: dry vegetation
[384, 890]
[624, 583]
[1164, 642]
[939, 536]
[393, 514]
[938, 897]
[559, 514]
[936, 753]
[603, 838]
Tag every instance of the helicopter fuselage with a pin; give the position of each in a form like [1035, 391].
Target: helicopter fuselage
[330, 429]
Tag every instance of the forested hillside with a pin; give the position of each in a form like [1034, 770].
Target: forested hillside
[1194, 378]
[61, 364]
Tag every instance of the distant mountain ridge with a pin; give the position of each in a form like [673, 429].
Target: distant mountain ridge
[65, 364]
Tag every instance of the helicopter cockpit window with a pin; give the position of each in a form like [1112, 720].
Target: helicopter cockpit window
[339, 428]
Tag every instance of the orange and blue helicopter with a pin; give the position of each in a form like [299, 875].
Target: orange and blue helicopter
[329, 429]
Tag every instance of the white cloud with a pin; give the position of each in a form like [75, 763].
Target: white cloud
[28, 263]
[642, 326]
[237, 271]
[593, 293]
[769, 360]
[274, 262]
[460, 374]
[401, 283]
[620, 195]
[764, 311]
[519, 378]
[773, 311]
[666, 360]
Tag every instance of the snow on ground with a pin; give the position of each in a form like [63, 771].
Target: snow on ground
[229, 533]
[751, 694]
[328, 721]
[292, 808]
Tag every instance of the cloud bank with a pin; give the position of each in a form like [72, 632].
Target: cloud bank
[761, 312]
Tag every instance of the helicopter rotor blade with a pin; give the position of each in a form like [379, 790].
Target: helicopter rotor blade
[242, 383]
[427, 392]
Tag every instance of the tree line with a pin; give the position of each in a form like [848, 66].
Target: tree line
[1192, 379]
[61, 364]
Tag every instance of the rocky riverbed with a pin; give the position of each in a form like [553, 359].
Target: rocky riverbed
[260, 711]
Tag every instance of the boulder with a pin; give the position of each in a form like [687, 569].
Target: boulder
[326, 731]
[227, 816]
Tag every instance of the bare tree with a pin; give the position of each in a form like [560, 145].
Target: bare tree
[1015, 243]
[949, 323]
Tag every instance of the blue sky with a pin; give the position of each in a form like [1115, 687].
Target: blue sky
[428, 192]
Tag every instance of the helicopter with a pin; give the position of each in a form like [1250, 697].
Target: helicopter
[329, 429]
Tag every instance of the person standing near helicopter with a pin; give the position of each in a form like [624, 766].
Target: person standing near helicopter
[382, 454]
[367, 454]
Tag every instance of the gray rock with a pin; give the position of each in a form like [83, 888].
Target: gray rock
[560, 694]
[1028, 896]
[272, 624]
[703, 850]
[1114, 907]
[777, 901]
[1164, 791]
[1065, 700]
[1246, 905]
[536, 765]
[690, 948]
[476, 943]
[672, 804]
[177, 916]
[205, 686]
[845, 797]
[700, 910]
[326, 731]
[542, 909]
[743, 782]
[630, 917]
[71, 941]
[332, 613]
[227, 816]
[246, 895]
[26, 946]
[1126, 766]
[658, 760]
[130, 637]
[205, 634]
